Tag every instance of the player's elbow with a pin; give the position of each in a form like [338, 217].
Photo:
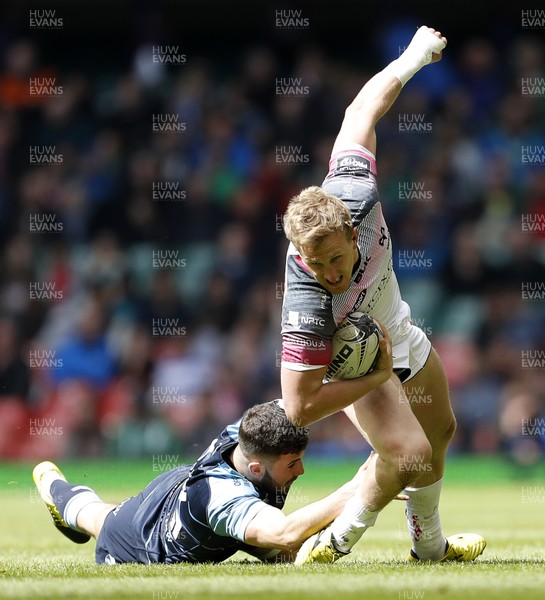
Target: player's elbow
[301, 393]
[352, 110]
[290, 539]
[299, 414]
[360, 118]
[292, 543]
[356, 112]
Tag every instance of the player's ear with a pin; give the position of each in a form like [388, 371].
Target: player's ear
[256, 468]
[355, 234]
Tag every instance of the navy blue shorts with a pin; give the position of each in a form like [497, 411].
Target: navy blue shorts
[116, 542]
[132, 530]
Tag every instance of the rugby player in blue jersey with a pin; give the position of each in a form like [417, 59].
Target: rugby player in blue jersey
[230, 499]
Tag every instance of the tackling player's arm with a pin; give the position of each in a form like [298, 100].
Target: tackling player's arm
[307, 399]
[271, 528]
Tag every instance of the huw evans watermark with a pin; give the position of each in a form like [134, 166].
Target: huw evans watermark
[414, 463]
[533, 155]
[167, 394]
[168, 259]
[533, 223]
[45, 19]
[45, 223]
[165, 462]
[45, 291]
[533, 19]
[45, 87]
[411, 594]
[293, 155]
[421, 323]
[45, 155]
[44, 426]
[168, 594]
[533, 494]
[291, 19]
[167, 123]
[533, 86]
[168, 327]
[413, 259]
[44, 359]
[410, 191]
[533, 290]
[168, 55]
[291, 87]
[533, 359]
[414, 395]
[533, 427]
[168, 191]
[414, 123]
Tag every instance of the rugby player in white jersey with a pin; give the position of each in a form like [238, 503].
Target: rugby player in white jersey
[340, 260]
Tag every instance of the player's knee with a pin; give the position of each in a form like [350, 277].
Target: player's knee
[443, 434]
[414, 461]
[417, 456]
[408, 459]
[406, 453]
[450, 430]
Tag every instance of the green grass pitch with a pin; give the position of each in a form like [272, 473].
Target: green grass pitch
[486, 496]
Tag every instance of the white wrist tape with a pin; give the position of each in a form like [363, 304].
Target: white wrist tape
[417, 54]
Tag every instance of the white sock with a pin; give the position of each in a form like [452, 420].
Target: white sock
[422, 510]
[417, 54]
[352, 523]
[76, 503]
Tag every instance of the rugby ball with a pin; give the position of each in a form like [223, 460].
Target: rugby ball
[354, 347]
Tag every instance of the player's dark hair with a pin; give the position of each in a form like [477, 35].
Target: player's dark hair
[266, 431]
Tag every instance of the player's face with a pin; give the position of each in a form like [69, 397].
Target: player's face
[280, 474]
[332, 260]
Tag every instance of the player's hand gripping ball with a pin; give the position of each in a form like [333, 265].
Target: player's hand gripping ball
[355, 347]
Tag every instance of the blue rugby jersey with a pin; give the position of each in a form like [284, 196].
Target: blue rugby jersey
[193, 513]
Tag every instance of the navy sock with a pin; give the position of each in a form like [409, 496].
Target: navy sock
[64, 493]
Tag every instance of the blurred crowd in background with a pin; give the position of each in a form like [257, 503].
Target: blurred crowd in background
[83, 369]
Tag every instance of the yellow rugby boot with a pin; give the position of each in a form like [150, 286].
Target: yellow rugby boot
[460, 547]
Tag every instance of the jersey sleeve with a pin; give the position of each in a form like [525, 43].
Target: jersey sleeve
[233, 504]
[352, 177]
[307, 320]
[304, 351]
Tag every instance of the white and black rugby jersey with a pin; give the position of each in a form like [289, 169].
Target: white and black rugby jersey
[310, 314]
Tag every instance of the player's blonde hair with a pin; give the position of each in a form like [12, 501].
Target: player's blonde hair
[314, 214]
